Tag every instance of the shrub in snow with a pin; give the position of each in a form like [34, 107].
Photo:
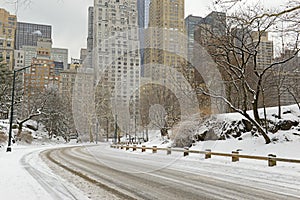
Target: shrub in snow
[3, 137]
[183, 134]
[206, 135]
[25, 136]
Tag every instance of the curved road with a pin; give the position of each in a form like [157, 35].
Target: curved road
[130, 175]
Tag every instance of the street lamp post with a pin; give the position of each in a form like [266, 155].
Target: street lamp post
[106, 129]
[12, 107]
[135, 129]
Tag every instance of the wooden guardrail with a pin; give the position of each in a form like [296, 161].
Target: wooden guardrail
[235, 156]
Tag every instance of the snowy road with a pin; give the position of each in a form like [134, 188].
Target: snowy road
[133, 175]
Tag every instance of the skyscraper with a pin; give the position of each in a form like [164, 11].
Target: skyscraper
[27, 34]
[117, 55]
[88, 61]
[143, 20]
[165, 41]
[8, 25]
[191, 23]
[265, 51]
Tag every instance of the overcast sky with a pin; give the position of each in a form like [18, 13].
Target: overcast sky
[69, 18]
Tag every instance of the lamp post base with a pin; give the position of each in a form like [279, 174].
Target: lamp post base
[8, 149]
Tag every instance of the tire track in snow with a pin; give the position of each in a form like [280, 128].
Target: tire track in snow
[52, 184]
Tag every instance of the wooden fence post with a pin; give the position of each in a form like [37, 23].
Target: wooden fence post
[207, 153]
[235, 156]
[134, 148]
[143, 148]
[272, 160]
[169, 150]
[154, 149]
[186, 152]
[127, 147]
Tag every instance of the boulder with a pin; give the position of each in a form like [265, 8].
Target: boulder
[286, 124]
[211, 135]
[248, 125]
[273, 129]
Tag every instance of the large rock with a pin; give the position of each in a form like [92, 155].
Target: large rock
[206, 135]
[211, 135]
[286, 125]
[248, 125]
[273, 128]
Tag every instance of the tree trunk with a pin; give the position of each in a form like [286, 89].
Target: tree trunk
[279, 107]
[259, 128]
[20, 127]
[255, 111]
[91, 135]
[147, 136]
[265, 112]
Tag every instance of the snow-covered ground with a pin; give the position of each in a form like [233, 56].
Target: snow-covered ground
[23, 174]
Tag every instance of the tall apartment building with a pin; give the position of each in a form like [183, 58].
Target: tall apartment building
[8, 25]
[83, 54]
[265, 49]
[27, 34]
[165, 41]
[215, 22]
[68, 78]
[88, 61]
[42, 73]
[60, 55]
[117, 55]
[143, 20]
[40, 76]
[191, 23]
[284, 79]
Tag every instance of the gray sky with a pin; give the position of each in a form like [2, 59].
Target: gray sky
[69, 18]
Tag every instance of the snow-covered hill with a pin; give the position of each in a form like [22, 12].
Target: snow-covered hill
[37, 132]
[231, 131]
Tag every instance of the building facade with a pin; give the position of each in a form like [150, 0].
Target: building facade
[60, 55]
[117, 56]
[143, 20]
[8, 25]
[191, 23]
[88, 60]
[24, 56]
[68, 78]
[165, 37]
[27, 34]
[264, 47]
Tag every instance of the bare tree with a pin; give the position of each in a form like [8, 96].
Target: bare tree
[56, 115]
[238, 54]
